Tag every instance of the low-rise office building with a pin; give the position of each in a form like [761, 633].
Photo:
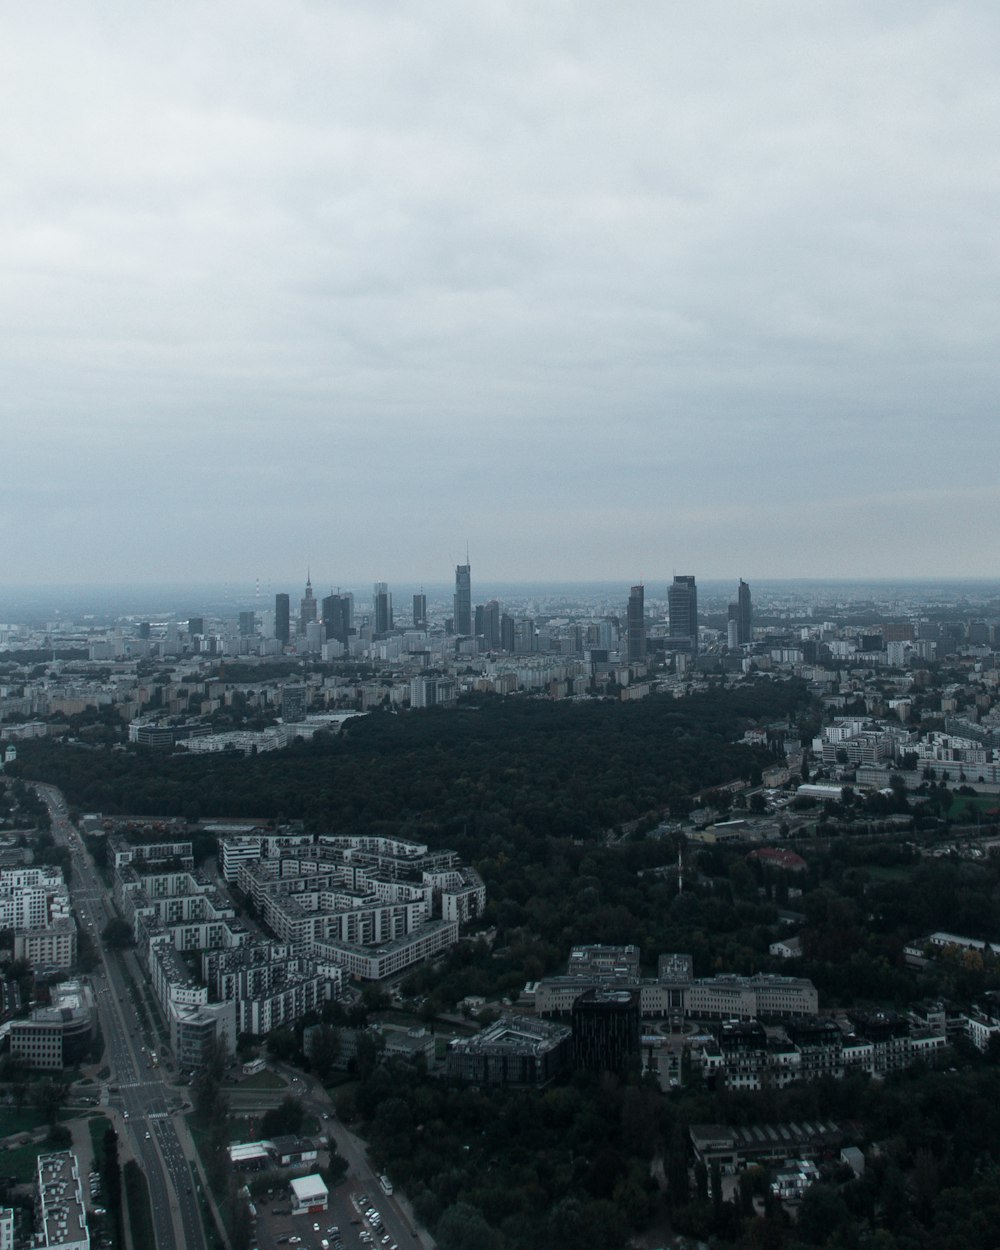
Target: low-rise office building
[516, 1050]
[60, 1035]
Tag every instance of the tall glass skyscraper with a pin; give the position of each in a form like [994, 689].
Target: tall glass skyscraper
[463, 599]
[382, 608]
[741, 617]
[682, 603]
[636, 624]
[282, 621]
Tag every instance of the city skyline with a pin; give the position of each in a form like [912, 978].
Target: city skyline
[598, 292]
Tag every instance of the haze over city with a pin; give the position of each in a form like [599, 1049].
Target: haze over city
[605, 293]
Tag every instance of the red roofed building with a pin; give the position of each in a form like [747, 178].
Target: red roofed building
[776, 857]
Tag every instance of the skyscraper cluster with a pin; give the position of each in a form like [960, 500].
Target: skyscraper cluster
[485, 627]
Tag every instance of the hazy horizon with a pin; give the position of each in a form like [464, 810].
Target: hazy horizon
[178, 600]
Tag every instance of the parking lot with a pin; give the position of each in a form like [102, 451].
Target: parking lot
[345, 1225]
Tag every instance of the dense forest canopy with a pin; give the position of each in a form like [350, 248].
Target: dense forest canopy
[563, 769]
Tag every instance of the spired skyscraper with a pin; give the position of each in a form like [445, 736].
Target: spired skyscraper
[420, 611]
[636, 636]
[682, 603]
[307, 605]
[741, 618]
[463, 600]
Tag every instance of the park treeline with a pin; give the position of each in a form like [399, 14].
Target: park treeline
[563, 769]
[569, 1167]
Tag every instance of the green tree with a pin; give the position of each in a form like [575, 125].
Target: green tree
[51, 1097]
[462, 1227]
[287, 1118]
[241, 1223]
[370, 1045]
[324, 1050]
[117, 935]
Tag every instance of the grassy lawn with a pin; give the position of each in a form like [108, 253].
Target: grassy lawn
[981, 803]
[238, 1131]
[21, 1163]
[23, 1121]
[337, 1080]
[897, 873]
[263, 1080]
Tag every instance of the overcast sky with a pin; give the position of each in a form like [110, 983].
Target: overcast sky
[606, 290]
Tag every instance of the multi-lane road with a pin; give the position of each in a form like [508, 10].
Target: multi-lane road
[139, 1093]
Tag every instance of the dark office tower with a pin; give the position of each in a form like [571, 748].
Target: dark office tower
[293, 703]
[636, 624]
[463, 599]
[477, 624]
[337, 617]
[606, 1035]
[506, 632]
[420, 611]
[282, 619]
[196, 625]
[744, 615]
[307, 606]
[682, 603]
[144, 629]
[382, 614]
[248, 623]
[491, 625]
